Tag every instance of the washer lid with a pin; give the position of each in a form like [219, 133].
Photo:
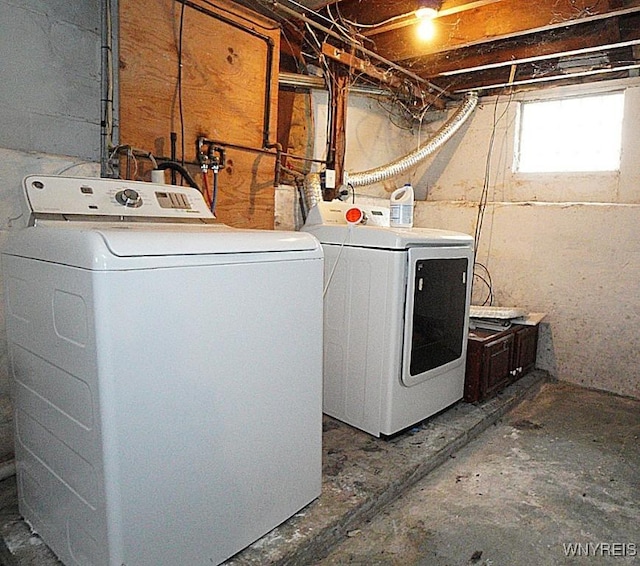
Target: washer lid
[137, 240]
[97, 246]
[388, 238]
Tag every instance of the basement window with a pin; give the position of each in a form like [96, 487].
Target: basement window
[571, 134]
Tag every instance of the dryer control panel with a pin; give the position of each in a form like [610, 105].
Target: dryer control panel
[338, 213]
[79, 197]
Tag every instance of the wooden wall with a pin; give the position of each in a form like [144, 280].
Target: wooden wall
[224, 70]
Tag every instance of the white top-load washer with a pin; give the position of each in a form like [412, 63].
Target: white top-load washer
[166, 373]
[396, 308]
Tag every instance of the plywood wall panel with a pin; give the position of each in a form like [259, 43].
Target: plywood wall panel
[224, 86]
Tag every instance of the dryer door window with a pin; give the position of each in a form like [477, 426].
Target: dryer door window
[437, 295]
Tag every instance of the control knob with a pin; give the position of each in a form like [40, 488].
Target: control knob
[129, 197]
[355, 215]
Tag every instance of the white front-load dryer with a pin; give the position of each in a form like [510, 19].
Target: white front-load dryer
[396, 307]
[166, 373]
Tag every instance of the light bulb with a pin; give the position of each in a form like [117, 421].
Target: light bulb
[426, 13]
[426, 29]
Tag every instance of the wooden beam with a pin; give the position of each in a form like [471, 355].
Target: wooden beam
[410, 18]
[558, 79]
[536, 73]
[372, 12]
[362, 66]
[500, 21]
[337, 131]
[590, 37]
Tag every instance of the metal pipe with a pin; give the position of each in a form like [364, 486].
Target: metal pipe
[269, 63]
[295, 80]
[266, 151]
[409, 161]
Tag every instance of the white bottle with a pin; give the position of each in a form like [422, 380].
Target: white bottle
[401, 207]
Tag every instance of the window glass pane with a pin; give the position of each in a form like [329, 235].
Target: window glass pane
[573, 134]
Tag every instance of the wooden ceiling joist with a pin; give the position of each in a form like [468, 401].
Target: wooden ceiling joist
[361, 66]
[482, 44]
[596, 67]
[590, 37]
[500, 21]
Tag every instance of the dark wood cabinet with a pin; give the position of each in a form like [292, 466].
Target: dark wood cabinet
[524, 352]
[497, 358]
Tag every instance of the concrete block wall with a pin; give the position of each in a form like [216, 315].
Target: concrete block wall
[51, 77]
[50, 105]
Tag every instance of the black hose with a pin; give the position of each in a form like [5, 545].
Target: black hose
[173, 166]
[214, 192]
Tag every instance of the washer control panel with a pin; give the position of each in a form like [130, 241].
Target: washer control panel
[77, 196]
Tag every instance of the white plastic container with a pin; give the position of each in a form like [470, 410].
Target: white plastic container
[401, 207]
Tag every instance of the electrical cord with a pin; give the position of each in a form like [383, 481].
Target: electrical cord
[486, 280]
[482, 204]
[335, 263]
[180, 104]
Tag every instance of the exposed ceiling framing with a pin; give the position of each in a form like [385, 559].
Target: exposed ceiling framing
[483, 45]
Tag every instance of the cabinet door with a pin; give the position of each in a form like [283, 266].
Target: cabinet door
[525, 348]
[473, 375]
[497, 361]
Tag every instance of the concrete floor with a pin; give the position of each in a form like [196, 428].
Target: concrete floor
[505, 482]
[561, 469]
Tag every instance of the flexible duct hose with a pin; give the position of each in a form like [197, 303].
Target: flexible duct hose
[311, 191]
[414, 158]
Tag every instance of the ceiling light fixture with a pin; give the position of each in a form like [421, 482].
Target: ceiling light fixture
[427, 9]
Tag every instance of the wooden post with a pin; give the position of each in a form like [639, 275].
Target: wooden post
[338, 112]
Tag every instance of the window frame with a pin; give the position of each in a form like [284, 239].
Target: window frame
[517, 147]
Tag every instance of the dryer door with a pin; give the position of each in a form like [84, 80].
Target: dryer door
[436, 311]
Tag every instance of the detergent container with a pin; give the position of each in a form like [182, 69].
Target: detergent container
[401, 207]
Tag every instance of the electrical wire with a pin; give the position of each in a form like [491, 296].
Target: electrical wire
[401, 112]
[486, 280]
[180, 104]
[108, 94]
[338, 25]
[76, 164]
[382, 23]
[335, 263]
[131, 156]
[482, 203]
[318, 15]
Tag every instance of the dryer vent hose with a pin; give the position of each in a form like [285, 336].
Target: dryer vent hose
[411, 160]
[311, 191]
